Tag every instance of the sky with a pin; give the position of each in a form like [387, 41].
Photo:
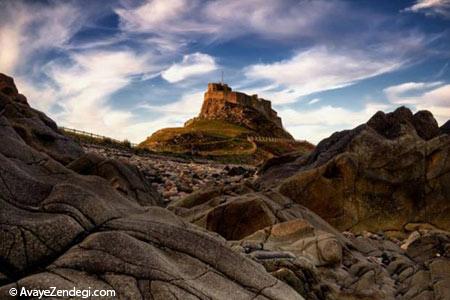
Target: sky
[126, 68]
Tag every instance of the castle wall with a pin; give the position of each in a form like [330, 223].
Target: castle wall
[222, 93]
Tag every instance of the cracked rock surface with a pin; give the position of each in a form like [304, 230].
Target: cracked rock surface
[298, 247]
[90, 225]
[393, 170]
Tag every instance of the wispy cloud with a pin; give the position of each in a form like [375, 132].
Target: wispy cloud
[313, 101]
[187, 106]
[26, 30]
[401, 94]
[431, 7]
[320, 69]
[192, 65]
[433, 96]
[225, 19]
[317, 124]
[81, 90]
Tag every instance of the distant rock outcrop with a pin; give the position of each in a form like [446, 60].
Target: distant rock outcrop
[379, 176]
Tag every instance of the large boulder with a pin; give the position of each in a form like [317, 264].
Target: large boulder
[127, 179]
[34, 127]
[62, 229]
[379, 176]
[239, 211]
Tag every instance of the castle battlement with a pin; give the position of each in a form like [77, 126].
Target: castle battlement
[222, 93]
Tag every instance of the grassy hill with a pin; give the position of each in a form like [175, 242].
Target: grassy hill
[219, 140]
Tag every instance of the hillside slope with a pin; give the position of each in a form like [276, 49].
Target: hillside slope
[222, 129]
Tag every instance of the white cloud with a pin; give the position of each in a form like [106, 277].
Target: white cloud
[29, 29]
[85, 87]
[316, 124]
[398, 94]
[9, 47]
[274, 19]
[191, 65]
[431, 7]
[320, 69]
[224, 19]
[432, 96]
[313, 101]
[152, 13]
[187, 107]
[170, 115]
[82, 90]
[161, 16]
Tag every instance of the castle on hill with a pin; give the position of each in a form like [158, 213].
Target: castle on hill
[222, 103]
[220, 95]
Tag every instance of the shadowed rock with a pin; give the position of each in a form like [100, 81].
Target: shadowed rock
[125, 178]
[301, 249]
[378, 176]
[445, 128]
[34, 127]
[61, 229]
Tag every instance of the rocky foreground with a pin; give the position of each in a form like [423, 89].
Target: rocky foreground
[70, 217]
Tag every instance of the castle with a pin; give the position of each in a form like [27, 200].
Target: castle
[220, 94]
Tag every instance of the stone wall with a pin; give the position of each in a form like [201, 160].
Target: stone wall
[222, 94]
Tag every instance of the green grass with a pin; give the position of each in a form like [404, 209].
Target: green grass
[212, 128]
[217, 140]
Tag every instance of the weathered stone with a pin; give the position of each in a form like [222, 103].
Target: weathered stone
[61, 229]
[125, 178]
[378, 176]
[239, 218]
[34, 127]
[445, 128]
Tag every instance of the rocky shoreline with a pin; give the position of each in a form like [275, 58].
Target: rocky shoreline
[175, 178]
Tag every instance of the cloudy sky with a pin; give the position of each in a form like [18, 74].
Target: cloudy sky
[126, 68]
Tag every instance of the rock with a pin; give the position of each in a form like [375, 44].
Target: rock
[34, 127]
[412, 238]
[392, 125]
[330, 250]
[378, 176]
[59, 228]
[165, 173]
[239, 218]
[277, 168]
[425, 125]
[445, 129]
[290, 278]
[428, 246]
[410, 227]
[125, 178]
[235, 212]
[238, 171]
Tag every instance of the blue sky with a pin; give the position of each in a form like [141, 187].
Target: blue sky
[126, 68]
